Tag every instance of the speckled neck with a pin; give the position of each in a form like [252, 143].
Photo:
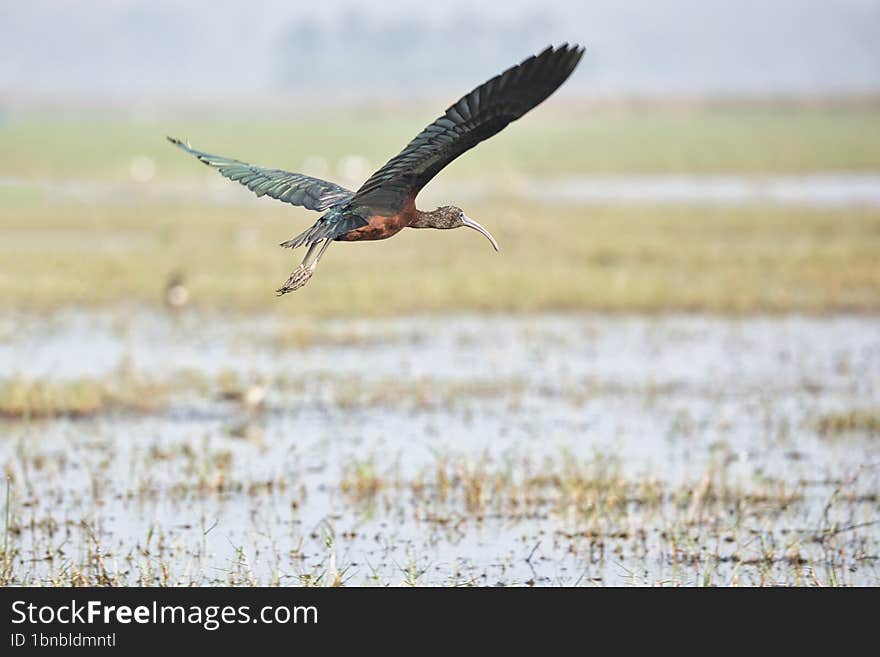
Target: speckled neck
[445, 217]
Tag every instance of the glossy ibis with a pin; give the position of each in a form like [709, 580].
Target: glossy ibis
[385, 203]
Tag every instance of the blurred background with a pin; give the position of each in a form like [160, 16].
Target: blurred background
[669, 374]
[164, 53]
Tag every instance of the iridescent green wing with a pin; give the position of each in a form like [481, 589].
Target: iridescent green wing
[293, 188]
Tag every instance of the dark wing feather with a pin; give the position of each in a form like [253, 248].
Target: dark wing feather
[293, 188]
[477, 116]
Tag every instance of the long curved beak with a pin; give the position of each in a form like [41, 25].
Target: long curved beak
[470, 223]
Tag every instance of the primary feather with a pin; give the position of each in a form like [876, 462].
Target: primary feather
[483, 112]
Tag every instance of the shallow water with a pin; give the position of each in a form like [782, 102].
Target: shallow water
[811, 190]
[820, 189]
[442, 450]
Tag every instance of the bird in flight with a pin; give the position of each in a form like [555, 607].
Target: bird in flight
[385, 203]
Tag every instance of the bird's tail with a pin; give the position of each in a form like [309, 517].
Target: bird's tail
[299, 240]
[337, 221]
[317, 232]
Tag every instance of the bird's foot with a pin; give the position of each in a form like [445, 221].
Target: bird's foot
[298, 277]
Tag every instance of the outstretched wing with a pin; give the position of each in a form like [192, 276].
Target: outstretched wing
[477, 116]
[293, 188]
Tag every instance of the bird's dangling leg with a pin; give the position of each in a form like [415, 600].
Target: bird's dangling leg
[301, 275]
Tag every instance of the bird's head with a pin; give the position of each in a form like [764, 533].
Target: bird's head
[450, 216]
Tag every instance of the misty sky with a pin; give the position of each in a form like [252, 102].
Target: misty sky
[132, 49]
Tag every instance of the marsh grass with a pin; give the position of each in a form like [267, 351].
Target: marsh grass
[586, 492]
[107, 241]
[727, 260]
[301, 335]
[710, 528]
[121, 244]
[423, 394]
[360, 480]
[860, 421]
[753, 528]
[24, 399]
[7, 524]
[651, 139]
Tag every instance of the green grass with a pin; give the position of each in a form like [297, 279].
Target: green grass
[550, 141]
[108, 240]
